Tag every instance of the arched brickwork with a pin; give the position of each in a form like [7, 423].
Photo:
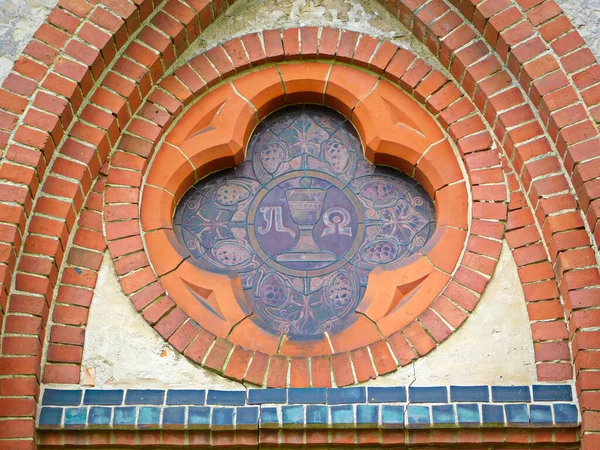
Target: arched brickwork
[532, 40]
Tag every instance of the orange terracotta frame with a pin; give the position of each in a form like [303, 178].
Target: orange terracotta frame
[395, 131]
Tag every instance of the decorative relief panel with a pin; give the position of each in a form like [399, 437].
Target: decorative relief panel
[304, 261]
[303, 221]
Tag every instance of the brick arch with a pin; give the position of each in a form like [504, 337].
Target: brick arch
[515, 30]
[62, 108]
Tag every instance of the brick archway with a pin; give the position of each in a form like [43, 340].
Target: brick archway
[519, 34]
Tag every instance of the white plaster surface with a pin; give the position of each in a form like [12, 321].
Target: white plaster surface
[124, 351]
[248, 16]
[585, 16]
[492, 347]
[19, 20]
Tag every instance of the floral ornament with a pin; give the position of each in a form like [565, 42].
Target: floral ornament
[305, 136]
[210, 224]
[402, 222]
[305, 314]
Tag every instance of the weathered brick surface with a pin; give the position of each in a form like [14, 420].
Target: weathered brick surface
[530, 42]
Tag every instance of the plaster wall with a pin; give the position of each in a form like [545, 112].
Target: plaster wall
[122, 350]
[247, 16]
[494, 345]
[19, 20]
[585, 15]
[364, 16]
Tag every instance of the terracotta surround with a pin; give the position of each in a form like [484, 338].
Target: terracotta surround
[213, 134]
[53, 155]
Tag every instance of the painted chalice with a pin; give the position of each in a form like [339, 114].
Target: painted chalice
[306, 207]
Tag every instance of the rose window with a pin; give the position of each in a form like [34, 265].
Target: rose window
[303, 221]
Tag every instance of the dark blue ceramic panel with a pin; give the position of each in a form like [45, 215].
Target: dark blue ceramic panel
[303, 221]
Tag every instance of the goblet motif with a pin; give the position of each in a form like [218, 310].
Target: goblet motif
[306, 207]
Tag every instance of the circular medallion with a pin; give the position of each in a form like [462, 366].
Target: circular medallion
[303, 221]
[306, 223]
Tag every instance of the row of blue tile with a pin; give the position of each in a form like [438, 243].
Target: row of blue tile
[367, 415]
[332, 396]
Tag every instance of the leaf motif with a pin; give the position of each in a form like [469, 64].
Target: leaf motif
[307, 313]
[402, 222]
[210, 225]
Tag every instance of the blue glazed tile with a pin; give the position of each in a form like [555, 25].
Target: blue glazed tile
[443, 414]
[317, 415]
[392, 416]
[186, 397]
[339, 396]
[148, 416]
[229, 398]
[75, 417]
[268, 417]
[540, 414]
[124, 416]
[492, 414]
[174, 416]
[260, 396]
[565, 413]
[307, 395]
[435, 394]
[103, 397]
[516, 414]
[144, 397]
[292, 415]
[511, 394]
[61, 397]
[222, 418]
[418, 415]
[199, 416]
[367, 415]
[387, 394]
[467, 414]
[51, 417]
[100, 415]
[549, 393]
[342, 415]
[246, 417]
[469, 394]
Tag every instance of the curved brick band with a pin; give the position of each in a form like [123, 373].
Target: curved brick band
[484, 44]
[212, 135]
